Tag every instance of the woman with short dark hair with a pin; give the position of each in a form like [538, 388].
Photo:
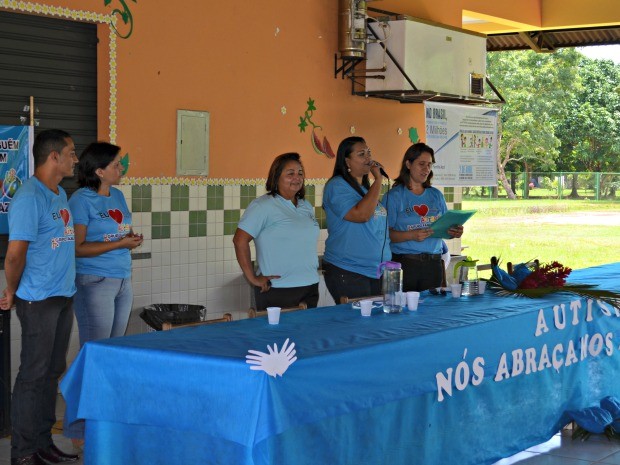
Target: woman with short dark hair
[285, 231]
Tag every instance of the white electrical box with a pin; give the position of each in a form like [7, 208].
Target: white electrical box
[193, 142]
[436, 59]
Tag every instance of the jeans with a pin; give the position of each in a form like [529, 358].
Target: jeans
[46, 329]
[102, 306]
[102, 309]
[344, 283]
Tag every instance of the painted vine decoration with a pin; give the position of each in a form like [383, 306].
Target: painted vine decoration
[125, 15]
[321, 147]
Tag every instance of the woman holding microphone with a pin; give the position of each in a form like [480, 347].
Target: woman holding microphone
[358, 239]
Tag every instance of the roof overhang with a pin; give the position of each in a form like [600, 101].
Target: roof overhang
[549, 40]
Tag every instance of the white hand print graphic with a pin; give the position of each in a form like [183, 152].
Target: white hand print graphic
[273, 363]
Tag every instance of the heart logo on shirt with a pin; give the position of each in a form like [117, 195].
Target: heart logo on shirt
[116, 215]
[65, 215]
[421, 209]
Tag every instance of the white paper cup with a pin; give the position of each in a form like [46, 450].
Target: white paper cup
[273, 315]
[482, 285]
[456, 290]
[412, 300]
[366, 307]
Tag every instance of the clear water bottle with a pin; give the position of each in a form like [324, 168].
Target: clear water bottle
[466, 272]
[392, 287]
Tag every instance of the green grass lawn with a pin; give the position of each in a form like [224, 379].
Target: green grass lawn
[521, 230]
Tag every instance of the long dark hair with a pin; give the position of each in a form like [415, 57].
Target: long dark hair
[341, 169]
[96, 155]
[276, 171]
[411, 155]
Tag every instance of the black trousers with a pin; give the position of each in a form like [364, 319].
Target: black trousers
[287, 296]
[344, 283]
[46, 328]
[421, 273]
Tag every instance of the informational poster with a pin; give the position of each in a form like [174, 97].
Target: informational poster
[464, 139]
[16, 165]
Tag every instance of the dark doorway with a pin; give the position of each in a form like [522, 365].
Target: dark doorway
[55, 61]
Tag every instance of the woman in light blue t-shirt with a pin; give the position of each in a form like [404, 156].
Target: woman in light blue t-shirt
[283, 227]
[103, 239]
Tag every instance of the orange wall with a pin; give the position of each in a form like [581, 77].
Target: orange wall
[243, 62]
[230, 60]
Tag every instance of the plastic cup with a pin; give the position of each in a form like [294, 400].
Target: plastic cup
[273, 315]
[366, 307]
[412, 300]
[482, 285]
[456, 290]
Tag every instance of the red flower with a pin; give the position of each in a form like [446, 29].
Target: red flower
[548, 275]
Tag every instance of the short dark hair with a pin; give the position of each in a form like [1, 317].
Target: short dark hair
[340, 166]
[46, 142]
[96, 155]
[276, 171]
[411, 155]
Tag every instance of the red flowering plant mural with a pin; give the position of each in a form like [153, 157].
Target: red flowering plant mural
[534, 280]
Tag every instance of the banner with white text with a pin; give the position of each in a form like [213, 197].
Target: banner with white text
[464, 139]
[16, 165]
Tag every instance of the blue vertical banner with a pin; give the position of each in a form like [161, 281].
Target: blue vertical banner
[16, 165]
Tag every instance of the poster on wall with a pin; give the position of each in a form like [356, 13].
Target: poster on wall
[16, 165]
[464, 139]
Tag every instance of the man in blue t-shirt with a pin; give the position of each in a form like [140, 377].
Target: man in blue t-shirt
[40, 277]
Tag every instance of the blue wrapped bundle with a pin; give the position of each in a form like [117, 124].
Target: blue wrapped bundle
[612, 405]
[592, 419]
[520, 272]
[504, 279]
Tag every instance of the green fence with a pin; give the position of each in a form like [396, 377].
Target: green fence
[559, 185]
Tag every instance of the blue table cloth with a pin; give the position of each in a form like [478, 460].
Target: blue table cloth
[460, 381]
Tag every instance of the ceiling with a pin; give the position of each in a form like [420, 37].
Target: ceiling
[548, 41]
[506, 34]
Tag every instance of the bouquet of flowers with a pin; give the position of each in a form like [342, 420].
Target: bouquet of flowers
[534, 280]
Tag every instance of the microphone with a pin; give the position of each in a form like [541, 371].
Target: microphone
[381, 170]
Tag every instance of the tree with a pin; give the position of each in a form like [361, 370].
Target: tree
[589, 133]
[538, 89]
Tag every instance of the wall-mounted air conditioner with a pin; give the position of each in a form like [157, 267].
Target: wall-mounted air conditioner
[436, 58]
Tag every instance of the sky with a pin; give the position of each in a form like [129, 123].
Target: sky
[611, 52]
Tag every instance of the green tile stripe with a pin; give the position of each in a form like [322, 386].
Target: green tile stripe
[160, 225]
[321, 218]
[179, 198]
[215, 197]
[197, 223]
[231, 219]
[141, 199]
[247, 193]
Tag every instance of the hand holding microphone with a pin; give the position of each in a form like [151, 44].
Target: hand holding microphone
[381, 170]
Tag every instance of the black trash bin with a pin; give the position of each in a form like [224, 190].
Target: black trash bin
[156, 314]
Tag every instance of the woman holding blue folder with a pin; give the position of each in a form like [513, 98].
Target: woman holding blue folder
[412, 206]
